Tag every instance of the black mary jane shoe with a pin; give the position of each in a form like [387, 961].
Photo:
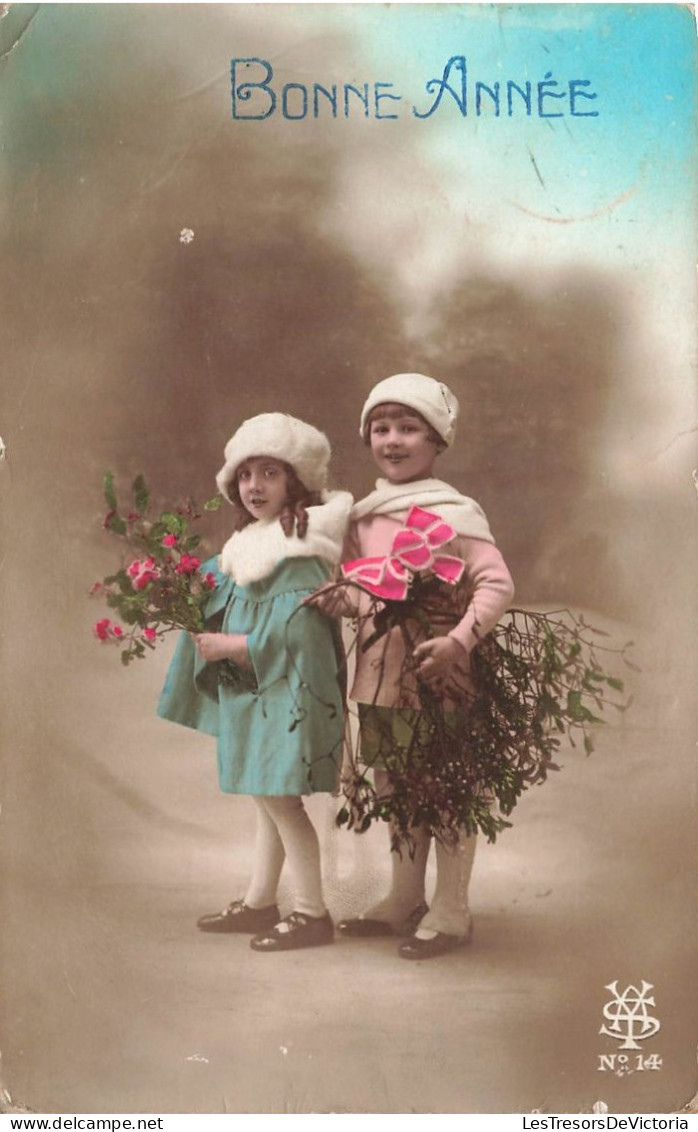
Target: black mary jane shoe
[239, 917]
[296, 930]
[365, 928]
[440, 944]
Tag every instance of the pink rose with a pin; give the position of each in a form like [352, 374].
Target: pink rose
[210, 581]
[149, 634]
[106, 631]
[144, 580]
[169, 540]
[142, 573]
[188, 564]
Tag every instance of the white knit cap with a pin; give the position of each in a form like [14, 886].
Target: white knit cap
[431, 399]
[285, 438]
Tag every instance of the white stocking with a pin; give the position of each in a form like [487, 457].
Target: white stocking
[268, 861]
[302, 847]
[449, 911]
[408, 873]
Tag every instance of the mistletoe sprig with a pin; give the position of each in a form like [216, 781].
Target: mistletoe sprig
[539, 681]
[161, 588]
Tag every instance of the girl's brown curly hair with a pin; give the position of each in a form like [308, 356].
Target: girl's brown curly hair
[294, 513]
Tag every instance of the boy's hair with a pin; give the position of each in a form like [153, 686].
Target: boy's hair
[294, 513]
[393, 410]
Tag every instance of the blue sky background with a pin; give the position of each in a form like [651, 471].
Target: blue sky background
[427, 201]
[417, 204]
[641, 62]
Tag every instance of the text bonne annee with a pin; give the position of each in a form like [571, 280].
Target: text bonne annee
[255, 97]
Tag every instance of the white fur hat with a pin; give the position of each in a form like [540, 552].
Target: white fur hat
[431, 399]
[285, 438]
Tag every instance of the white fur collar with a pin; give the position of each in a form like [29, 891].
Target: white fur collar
[252, 553]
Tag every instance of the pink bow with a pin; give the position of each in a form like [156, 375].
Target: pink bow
[412, 551]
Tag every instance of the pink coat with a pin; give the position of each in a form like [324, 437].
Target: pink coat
[469, 611]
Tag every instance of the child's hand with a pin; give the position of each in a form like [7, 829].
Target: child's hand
[222, 646]
[436, 660]
[333, 600]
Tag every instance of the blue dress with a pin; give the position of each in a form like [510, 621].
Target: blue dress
[279, 725]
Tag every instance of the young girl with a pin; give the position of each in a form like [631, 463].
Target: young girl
[264, 677]
[407, 420]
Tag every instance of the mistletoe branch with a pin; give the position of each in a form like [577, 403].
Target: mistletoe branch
[537, 680]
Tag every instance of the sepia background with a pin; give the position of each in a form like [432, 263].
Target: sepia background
[544, 268]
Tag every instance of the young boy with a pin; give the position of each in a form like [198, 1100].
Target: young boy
[407, 420]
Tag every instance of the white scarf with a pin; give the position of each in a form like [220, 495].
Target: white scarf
[465, 515]
[252, 553]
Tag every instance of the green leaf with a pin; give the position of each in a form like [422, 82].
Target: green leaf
[593, 674]
[109, 493]
[124, 583]
[133, 612]
[157, 533]
[213, 504]
[614, 682]
[116, 525]
[141, 495]
[575, 708]
[172, 523]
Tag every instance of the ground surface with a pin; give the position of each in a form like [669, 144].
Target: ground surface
[117, 839]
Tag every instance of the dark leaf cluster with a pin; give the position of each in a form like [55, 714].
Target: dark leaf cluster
[538, 681]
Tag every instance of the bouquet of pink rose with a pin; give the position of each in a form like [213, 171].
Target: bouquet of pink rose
[162, 588]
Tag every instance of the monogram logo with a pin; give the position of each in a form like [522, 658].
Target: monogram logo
[628, 1015]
